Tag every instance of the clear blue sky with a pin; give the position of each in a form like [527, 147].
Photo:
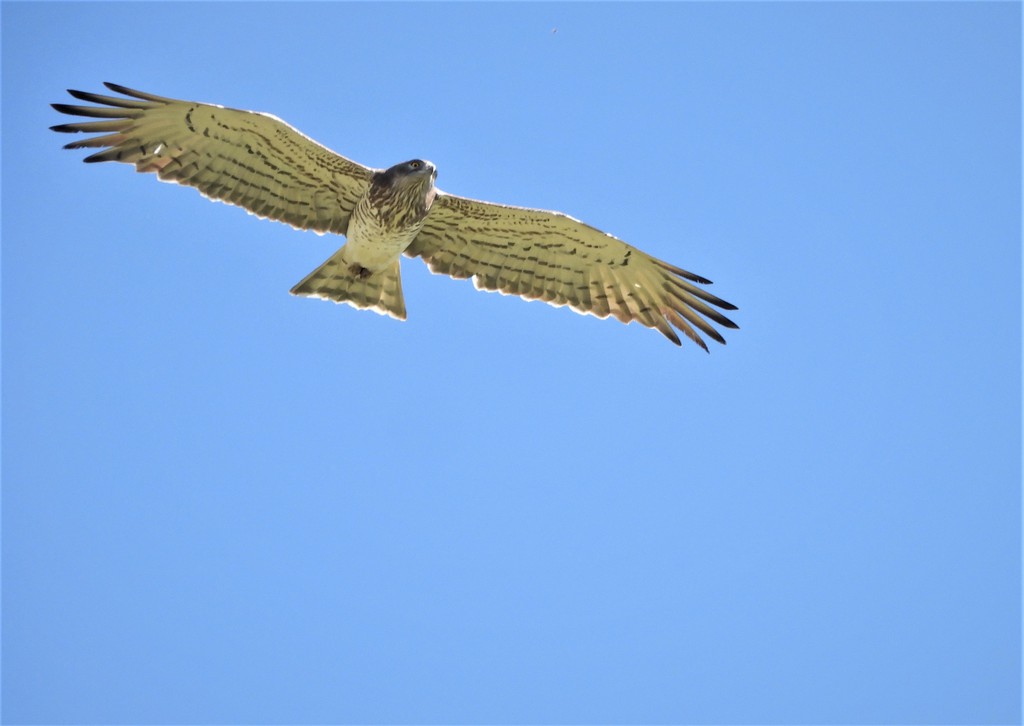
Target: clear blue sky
[222, 503]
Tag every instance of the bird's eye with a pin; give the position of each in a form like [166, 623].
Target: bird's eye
[415, 164]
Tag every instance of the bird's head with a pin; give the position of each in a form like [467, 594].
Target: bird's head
[416, 171]
[408, 187]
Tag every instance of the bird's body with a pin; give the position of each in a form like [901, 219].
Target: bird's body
[376, 235]
[259, 162]
[365, 272]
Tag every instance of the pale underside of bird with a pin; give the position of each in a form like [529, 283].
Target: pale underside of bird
[258, 162]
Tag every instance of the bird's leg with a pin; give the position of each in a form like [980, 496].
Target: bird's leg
[359, 271]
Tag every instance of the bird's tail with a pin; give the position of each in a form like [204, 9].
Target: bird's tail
[337, 280]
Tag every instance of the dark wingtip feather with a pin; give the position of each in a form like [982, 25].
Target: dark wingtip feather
[82, 95]
[715, 336]
[692, 335]
[681, 272]
[118, 88]
[134, 101]
[692, 277]
[106, 155]
[665, 329]
[142, 95]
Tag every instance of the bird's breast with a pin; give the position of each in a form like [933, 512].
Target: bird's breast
[374, 239]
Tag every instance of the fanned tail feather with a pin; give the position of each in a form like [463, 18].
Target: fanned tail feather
[335, 280]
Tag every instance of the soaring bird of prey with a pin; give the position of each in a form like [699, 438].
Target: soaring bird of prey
[257, 161]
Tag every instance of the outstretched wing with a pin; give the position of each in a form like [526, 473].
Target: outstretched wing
[249, 159]
[550, 256]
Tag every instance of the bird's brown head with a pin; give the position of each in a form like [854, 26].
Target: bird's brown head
[407, 188]
[416, 171]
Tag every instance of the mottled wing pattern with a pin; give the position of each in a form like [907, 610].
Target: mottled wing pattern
[550, 256]
[249, 159]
